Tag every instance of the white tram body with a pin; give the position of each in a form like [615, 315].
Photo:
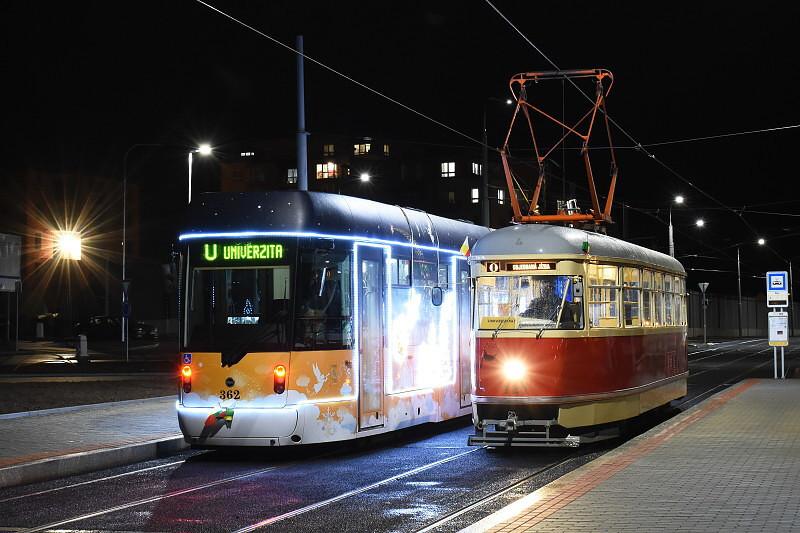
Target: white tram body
[310, 317]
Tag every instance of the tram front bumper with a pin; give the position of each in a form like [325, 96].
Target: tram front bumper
[202, 426]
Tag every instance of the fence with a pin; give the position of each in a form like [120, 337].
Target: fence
[723, 316]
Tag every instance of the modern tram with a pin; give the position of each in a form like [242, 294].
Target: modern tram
[576, 331]
[309, 317]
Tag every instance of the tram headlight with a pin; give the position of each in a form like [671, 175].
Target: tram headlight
[514, 369]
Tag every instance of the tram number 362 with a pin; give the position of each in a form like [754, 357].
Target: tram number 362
[230, 394]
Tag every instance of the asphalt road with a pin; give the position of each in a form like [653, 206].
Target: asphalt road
[417, 479]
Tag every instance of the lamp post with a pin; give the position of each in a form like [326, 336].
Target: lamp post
[204, 149]
[678, 200]
[125, 282]
[485, 219]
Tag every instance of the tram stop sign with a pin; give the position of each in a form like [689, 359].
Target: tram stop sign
[778, 328]
[777, 289]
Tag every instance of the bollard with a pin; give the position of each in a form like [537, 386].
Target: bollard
[82, 349]
[39, 330]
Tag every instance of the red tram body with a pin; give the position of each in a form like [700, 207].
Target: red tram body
[574, 332]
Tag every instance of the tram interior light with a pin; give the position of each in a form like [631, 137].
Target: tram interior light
[513, 369]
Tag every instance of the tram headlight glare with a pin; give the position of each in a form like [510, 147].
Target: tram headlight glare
[513, 369]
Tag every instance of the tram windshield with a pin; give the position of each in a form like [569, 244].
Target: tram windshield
[239, 309]
[529, 302]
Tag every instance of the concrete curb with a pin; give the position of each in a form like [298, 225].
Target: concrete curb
[71, 408]
[90, 461]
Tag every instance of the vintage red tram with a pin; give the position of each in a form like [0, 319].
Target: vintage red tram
[575, 331]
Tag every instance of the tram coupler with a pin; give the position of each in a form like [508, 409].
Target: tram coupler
[515, 432]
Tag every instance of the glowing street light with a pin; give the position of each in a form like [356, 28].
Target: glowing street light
[203, 149]
[365, 177]
[761, 241]
[679, 201]
[68, 245]
[700, 223]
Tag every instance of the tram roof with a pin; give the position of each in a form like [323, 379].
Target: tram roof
[545, 239]
[323, 214]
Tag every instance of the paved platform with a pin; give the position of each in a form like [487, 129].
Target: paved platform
[731, 463]
[57, 442]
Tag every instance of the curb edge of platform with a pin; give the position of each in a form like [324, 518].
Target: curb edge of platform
[519, 506]
[89, 461]
[71, 408]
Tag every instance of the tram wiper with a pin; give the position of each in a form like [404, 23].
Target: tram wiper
[560, 310]
[500, 325]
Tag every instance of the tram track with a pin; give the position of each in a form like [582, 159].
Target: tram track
[495, 495]
[227, 480]
[350, 493]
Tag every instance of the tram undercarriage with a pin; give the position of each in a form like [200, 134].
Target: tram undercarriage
[533, 433]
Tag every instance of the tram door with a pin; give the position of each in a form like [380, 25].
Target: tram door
[371, 327]
[464, 332]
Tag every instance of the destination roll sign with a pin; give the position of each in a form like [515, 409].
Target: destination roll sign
[226, 252]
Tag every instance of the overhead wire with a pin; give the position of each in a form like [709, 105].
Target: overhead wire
[637, 144]
[339, 73]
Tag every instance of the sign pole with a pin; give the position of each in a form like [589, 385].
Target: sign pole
[703, 286]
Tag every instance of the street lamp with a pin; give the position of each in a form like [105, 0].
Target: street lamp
[365, 177]
[678, 200]
[700, 223]
[761, 241]
[203, 149]
[485, 166]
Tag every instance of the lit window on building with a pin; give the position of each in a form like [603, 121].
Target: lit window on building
[449, 170]
[451, 197]
[327, 149]
[247, 154]
[291, 175]
[327, 170]
[501, 196]
[477, 168]
[361, 149]
[475, 196]
[386, 150]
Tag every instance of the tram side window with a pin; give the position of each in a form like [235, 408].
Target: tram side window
[631, 291]
[401, 271]
[679, 311]
[647, 297]
[324, 318]
[603, 289]
[658, 299]
[668, 300]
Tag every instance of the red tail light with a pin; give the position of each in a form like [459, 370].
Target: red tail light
[186, 378]
[279, 379]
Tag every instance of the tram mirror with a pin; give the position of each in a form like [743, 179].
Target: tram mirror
[436, 296]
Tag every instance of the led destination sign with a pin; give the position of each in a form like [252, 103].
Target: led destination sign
[242, 251]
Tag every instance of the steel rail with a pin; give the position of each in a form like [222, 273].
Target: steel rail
[494, 495]
[89, 482]
[151, 499]
[344, 495]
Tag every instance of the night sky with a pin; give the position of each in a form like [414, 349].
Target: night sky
[85, 80]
